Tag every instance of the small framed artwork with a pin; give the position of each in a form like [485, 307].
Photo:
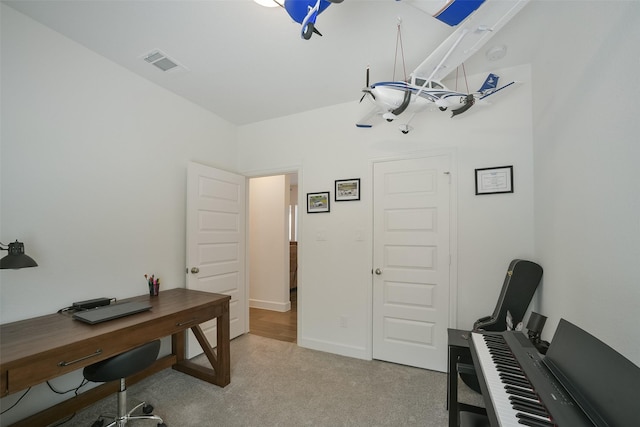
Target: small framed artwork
[318, 202]
[494, 180]
[347, 190]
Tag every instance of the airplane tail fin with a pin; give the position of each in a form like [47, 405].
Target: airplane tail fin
[490, 83]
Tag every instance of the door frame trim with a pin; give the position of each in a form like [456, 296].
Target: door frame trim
[453, 232]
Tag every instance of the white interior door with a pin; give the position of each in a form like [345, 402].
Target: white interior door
[411, 261]
[216, 244]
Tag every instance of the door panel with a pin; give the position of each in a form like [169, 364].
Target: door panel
[411, 261]
[216, 243]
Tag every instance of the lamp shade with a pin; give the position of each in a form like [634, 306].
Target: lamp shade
[536, 322]
[17, 258]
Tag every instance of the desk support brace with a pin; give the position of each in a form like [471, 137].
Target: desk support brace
[220, 362]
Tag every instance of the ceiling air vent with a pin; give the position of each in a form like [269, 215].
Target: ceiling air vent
[160, 60]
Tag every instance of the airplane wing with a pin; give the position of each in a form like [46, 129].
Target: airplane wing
[468, 38]
[369, 119]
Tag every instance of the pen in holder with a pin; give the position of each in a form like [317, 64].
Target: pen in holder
[154, 284]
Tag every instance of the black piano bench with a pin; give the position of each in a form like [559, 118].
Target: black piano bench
[470, 419]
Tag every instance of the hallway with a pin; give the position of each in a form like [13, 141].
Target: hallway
[276, 325]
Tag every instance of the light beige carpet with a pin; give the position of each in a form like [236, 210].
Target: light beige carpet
[275, 383]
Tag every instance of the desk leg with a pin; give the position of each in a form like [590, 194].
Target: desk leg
[220, 375]
[179, 345]
[223, 369]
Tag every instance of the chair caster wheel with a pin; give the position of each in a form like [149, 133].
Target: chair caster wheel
[98, 423]
[147, 409]
[162, 425]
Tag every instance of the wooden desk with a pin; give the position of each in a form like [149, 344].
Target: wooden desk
[38, 349]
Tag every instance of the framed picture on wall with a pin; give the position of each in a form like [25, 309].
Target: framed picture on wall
[318, 202]
[494, 180]
[347, 190]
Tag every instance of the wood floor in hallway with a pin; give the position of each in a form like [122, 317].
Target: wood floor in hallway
[274, 324]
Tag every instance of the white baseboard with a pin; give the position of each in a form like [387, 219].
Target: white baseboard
[335, 348]
[270, 305]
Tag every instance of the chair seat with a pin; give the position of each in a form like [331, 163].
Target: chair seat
[123, 365]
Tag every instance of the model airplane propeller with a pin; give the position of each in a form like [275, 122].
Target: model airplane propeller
[423, 90]
[367, 89]
[305, 13]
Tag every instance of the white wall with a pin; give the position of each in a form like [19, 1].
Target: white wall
[576, 114]
[269, 243]
[334, 277]
[93, 166]
[587, 178]
[93, 175]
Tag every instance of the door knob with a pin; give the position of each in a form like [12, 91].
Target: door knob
[195, 270]
[378, 271]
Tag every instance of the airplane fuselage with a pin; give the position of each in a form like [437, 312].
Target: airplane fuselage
[392, 96]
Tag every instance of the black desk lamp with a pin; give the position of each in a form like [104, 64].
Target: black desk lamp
[16, 258]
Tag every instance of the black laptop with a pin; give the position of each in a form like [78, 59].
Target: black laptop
[111, 311]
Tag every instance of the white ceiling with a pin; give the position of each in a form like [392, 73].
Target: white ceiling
[247, 63]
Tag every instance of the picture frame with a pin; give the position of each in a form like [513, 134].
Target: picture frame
[318, 202]
[494, 180]
[347, 190]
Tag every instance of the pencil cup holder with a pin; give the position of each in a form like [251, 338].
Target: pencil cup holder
[153, 290]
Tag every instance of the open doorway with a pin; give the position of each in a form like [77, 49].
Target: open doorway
[273, 243]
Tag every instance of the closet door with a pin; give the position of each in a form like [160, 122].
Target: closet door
[411, 261]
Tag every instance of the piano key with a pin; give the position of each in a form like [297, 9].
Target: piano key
[527, 420]
[526, 401]
[518, 377]
[521, 392]
[531, 410]
[513, 381]
[507, 368]
[504, 362]
[501, 350]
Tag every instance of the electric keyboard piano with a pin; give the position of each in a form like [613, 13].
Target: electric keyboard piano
[580, 382]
